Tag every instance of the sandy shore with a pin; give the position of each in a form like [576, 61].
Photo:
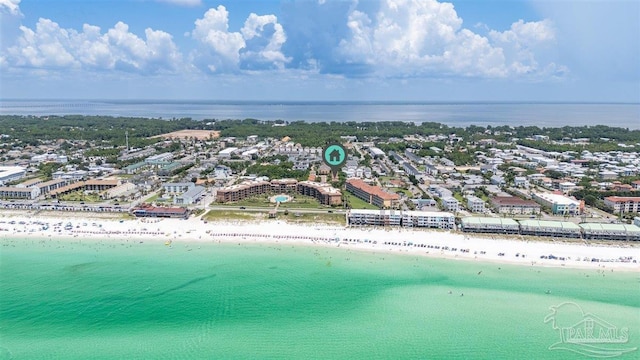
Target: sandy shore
[433, 243]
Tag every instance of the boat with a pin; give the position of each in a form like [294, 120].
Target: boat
[168, 242]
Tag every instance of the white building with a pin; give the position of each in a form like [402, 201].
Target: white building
[11, 173]
[559, 204]
[439, 220]
[376, 152]
[227, 152]
[475, 204]
[450, 204]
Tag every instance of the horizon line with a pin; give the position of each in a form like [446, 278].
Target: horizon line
[287, 102]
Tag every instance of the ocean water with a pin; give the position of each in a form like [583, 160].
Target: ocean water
[89, 299]
[452, 114]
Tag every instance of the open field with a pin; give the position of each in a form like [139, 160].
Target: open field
[186, 134]
[358, 203]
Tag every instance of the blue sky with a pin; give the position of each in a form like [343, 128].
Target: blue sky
[399, 50]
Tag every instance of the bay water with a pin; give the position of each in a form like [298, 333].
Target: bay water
[459, 114]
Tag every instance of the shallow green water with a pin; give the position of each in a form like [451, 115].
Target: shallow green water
[97, 300]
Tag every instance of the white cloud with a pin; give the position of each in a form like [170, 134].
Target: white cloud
[11, 7]
[270, 53]
[256, 46]
[221, 50]
[51, 47]
[425, 38]
[182, 2]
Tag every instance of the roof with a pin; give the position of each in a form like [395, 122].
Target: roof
[620, 228]
[565, 225]
[623, 198]
[557, 199]
[16, 189]
[512, 200]
[373, 190]
[475, 220]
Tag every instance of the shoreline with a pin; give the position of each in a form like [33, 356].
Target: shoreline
[418, 242]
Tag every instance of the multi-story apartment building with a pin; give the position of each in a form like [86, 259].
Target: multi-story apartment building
[514, 205]
[372, 194]
[623, 204]
[325, 193]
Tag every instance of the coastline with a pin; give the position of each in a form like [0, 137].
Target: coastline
[401, 241]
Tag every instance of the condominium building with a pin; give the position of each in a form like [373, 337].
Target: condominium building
[325, 193]
[428, 219]
[242, 191]
[390, 217]
[623, 204]
[450, 203]
[372, 194]
[475, 204]
[357, 217]
[13, 192]
[514, 205]
[559, 204]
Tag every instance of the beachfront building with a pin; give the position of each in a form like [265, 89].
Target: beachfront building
[190, 196]
[514, 205]
[390, 217]
[94, 185]
[475, 204]
[11, 173]
[623, 204]
[610, 231]
[359, 217]
[324, 193]
[160, 212]
[559, 204]
[243, 190]
[14, 192]
[372, 194]
[489, 225]
[550, 228]
[284, 185]
[428, 219]
[48, 186]
[177, 188]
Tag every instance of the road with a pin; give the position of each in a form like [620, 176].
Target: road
[266, 209]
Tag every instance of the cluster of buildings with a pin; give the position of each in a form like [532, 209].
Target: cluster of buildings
[559, 229]
[323, 192]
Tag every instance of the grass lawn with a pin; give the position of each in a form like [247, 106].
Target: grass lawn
[152, 198]
[292, 217]
[214, 215]
[358, 203]
[401, 190]
[80, 196]
[298, 202]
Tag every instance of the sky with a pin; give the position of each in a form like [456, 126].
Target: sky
[324, 50]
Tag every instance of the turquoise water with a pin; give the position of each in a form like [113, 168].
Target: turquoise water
[100, 300]
[281, 198]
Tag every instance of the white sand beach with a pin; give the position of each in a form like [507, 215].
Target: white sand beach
[433, 243]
